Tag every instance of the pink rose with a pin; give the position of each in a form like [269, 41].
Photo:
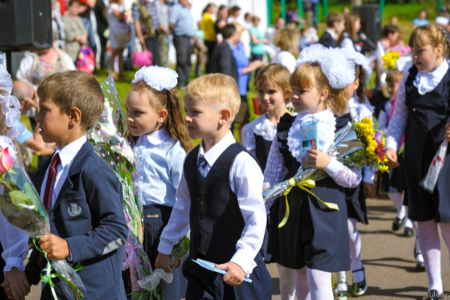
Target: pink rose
[6, 161]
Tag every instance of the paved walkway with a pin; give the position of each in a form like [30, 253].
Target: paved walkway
[387, 257]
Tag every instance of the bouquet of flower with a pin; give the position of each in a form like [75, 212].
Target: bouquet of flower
[365, 147]
[21, 206]
[391, 57]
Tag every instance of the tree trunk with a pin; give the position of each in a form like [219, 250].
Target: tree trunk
[356, 2]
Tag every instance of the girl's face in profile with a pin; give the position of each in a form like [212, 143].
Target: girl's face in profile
[308, 100]
[427, 58]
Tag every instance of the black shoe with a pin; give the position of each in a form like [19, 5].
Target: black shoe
[397, 223]
[432, 295]
[408, 232]
[360, 288]
[420, 266]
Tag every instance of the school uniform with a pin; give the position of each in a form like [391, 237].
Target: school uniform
[159, 165]
[328, 39]
[86, 209]
[257, 137]
[314, 236]
[13, 249]
[222, 205]
[421, 112]
[349, 42]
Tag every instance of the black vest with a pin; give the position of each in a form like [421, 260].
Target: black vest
[262, 149]
[215, 217]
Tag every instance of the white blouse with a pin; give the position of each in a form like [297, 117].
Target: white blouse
[276, 170]
[260, 126]
[286, 59]
[424, 82]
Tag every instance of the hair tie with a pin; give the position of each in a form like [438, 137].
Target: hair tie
[159, 78]
[10, 105]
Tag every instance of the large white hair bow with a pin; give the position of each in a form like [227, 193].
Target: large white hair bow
[159, 78]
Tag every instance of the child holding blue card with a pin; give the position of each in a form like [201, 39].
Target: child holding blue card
[318, 94]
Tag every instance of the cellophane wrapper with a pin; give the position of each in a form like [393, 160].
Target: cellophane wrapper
[430, 180]
[22, 207]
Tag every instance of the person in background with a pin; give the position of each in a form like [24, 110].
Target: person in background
[233, 14]
[102, 24]
[292, 16]
[199, 50]
[394, 21]
[182, 26]
[58, 26]
[335, 26]
[257, 42]
[349, 37]
[287, 42]
[248, 21]
[207, 25]
[270, 34]
[222, 59]
[421, 19]
[221, 21]
[119, 34]
[163, 33]
[85, 15]
[76, 35]
[345, 10]
[308, 37]
[146, 24]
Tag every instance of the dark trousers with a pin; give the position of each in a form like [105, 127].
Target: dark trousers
[210, 46]
[2, 277]
[153, 46]
[156, 218]
[183, 48]
[204, 284]
[103, 42]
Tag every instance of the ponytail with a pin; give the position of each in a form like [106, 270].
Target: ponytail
[360, 74]
[174, 122]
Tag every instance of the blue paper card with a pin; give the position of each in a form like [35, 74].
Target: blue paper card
[211, 266]
[309, 134]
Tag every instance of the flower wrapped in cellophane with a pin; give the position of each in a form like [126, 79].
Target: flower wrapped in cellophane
[355, 145]
[435, 168]
[22, 207]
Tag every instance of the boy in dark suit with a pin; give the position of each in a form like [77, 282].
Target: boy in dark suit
[82, 195]
[335, 26]
[219, 199]
[222, 59]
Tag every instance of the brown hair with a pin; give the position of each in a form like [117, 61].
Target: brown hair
[388, 29]
[275, 74]
[310, 75]
[360, 74]
[333, 17]
[432, 35]
[216, 89]
[394, 76]
[74, 89]
[255, 19]
[170, 101]
[287, 39]
[350, 29]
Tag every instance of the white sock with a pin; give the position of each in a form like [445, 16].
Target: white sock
[402, 212]
[419, 257]
[355, 250]
[287, 285]
[445, 231]
[301, 284]
[341, 281]
[408, 223]
[319, 283]
[397, 199]
[431, 251]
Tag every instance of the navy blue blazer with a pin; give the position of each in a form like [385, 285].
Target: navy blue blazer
[88, 214]
[327, 40]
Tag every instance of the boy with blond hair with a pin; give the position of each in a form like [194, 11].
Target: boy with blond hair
[219, 199]
[83, 197]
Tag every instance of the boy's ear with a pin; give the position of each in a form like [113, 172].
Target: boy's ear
[162, 115]
[225, 116]
[75, 115]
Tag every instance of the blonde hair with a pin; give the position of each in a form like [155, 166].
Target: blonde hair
[170, 101]
[310, 75]
[216, 89]
[287, 39]
[239, 27]
[432, 35]
[394, 76]
[277, 75]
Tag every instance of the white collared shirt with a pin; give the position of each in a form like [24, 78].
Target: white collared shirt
[159, 164]
[332, 33]
[260, 126]
[246, 182]
[67, 155]
[425, 82]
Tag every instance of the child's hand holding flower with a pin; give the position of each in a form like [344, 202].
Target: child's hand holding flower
[318, 160]
[56, 247]
[392, 157]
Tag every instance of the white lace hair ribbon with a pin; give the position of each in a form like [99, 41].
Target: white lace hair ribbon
[339, 70]
[159, 78]
[10, 105]
[357, 58]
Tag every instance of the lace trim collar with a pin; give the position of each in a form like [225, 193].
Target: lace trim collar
[326, 126]
[426, 82]
[263, 127]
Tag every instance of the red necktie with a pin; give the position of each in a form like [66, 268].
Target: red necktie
[50, 180]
